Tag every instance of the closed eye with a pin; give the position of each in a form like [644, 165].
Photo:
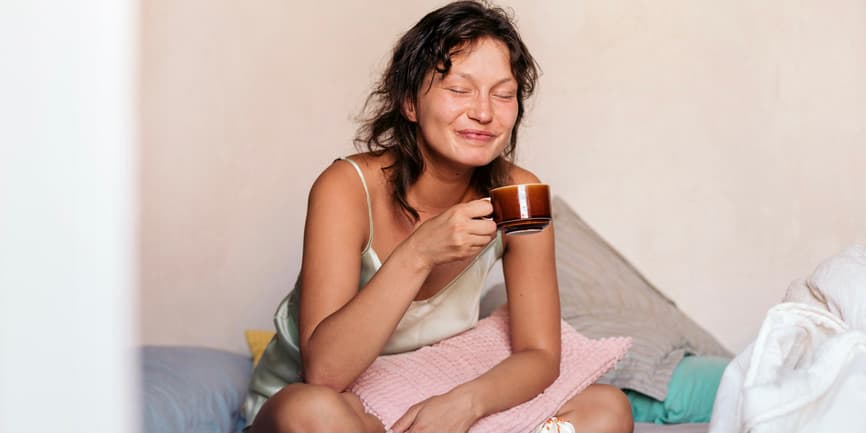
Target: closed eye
[458, 90]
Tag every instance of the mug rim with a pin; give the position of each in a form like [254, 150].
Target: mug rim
[518, 184]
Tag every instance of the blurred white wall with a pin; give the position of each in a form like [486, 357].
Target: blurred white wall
[67, 217]
[718, 145]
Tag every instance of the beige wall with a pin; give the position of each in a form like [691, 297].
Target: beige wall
[718, 145]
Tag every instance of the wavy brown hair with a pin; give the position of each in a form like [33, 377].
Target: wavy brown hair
[429, 45]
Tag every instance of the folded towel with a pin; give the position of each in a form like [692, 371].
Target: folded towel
[393, 383]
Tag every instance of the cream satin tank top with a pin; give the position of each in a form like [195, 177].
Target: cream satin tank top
[450, 311]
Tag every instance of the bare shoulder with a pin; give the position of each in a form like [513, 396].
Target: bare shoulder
[521, 175]
[338, 192]
[336, 182]
[341, 179]
[337, 199]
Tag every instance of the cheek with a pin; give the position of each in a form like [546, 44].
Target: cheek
[451, 109]
[442, 112]
[508, 116]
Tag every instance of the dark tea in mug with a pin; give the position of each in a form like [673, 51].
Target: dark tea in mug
[522, 208]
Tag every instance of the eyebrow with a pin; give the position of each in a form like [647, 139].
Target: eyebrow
[470, 77]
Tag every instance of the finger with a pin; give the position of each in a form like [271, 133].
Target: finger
[414, 428]
[479, 208]
[478, 242]
[483, 227]
[402, 424]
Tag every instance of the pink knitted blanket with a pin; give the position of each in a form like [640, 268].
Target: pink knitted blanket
[394, 383]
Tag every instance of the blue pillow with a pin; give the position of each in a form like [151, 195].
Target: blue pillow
[192, 389]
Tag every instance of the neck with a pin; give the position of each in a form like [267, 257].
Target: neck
[439, 188]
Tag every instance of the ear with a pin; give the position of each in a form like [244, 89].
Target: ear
[409, 111]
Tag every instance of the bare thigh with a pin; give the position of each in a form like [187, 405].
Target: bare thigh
[371, 423]
[301, 407]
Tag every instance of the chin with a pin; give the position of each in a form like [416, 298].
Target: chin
[476, 157]
[476, 160]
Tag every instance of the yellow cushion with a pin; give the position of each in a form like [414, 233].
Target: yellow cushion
[257, 340]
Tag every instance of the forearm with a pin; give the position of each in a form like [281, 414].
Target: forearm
[517, 379]
[345, 343]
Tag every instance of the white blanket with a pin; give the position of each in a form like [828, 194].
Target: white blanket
[806, 370]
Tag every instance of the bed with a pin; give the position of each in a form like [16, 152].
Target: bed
[196, 389]
[670, 374]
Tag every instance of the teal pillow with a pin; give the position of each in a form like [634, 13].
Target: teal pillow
[691, 393]
[645, 408]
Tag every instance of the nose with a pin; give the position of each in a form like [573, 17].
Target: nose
[480, 109]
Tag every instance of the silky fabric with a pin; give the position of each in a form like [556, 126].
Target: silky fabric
[449, 312]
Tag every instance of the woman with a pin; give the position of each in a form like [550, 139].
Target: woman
[391, 235]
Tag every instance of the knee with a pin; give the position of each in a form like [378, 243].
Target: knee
[303, 408]
[615, 414]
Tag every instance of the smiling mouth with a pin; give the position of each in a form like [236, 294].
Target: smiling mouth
[476, 135]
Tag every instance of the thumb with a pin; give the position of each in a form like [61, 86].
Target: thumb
[402, 424]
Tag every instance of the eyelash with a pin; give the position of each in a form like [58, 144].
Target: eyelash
[464, 92]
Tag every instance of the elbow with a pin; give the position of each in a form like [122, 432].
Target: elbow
[317, 374]
[551, 362]
[554, 368]
[544, 363]
[323, 378]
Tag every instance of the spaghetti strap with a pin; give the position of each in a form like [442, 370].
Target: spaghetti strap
[367, 195]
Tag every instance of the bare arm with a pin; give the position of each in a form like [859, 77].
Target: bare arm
[342, 329]
[533, 302]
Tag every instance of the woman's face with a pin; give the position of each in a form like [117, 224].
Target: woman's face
[466, 117]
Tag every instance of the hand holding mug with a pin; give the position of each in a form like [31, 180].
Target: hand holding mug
[458, 233]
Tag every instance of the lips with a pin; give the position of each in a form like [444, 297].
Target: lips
[476, 134]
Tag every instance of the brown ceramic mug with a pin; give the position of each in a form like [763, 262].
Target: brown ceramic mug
[522, 208]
